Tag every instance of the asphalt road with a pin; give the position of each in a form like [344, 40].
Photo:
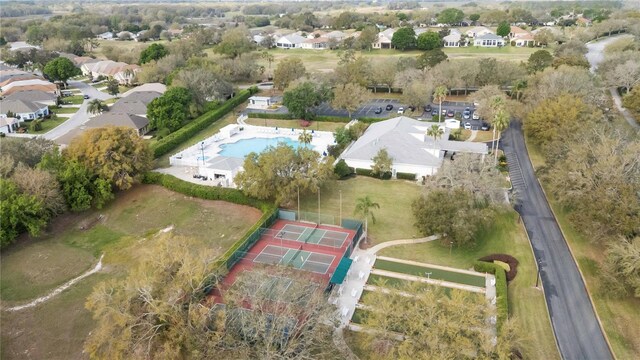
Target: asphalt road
[81, 116]
[576, 328]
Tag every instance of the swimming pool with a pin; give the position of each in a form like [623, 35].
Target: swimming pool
[242, 148]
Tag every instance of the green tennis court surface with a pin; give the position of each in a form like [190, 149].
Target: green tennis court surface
[427, 272]
[313, 235]
[296, 258]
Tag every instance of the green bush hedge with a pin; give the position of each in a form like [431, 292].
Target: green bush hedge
[369, 172]
[173, 140]
[502, 300]
[270, 116]
[342, 169]
[405, 176]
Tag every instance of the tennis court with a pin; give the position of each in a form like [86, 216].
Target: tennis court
[297, 258]
[312, 235]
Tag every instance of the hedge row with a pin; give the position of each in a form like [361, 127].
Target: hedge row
[276, 116]
[508, 259]
[502, 301]
[176, 138]
[215, 193]
[405, 176]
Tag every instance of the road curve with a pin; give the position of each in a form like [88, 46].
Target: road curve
[573, 318]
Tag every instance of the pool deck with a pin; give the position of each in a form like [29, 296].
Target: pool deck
[192, 156]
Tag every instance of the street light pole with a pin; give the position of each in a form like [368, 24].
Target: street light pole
[538, 275]
[202, 148]
[340, 191]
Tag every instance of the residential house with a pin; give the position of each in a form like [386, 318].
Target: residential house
[453, 39]
[105, 36]
[260, 102]
[582, 21]
[157, 87]
[321, 43]
[384, 39]
[22, 46]
[134, 103]
[111, 118]
[126, 35]
[120, 71]
[336, 35]
[81, 60]
[9, 76]
[489, 40]
[23, 109]
[29, 84]
[478, 31]
[520, 37]
[9, 124]
[37, 96]
[290, 41]
[316, 34]
[406, 142]
[517, 31]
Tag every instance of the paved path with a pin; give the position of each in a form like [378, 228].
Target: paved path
[81, 116]
[573, 318]
[595, 55]
[473, 135]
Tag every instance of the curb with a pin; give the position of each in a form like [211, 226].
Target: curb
[595, 311]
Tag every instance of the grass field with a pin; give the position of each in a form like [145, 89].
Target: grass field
[526, 303]
[615, 313]
[33, 267]
[435, 274]
[72, 100]
[49, 124]
[66, 110]
[393, 220]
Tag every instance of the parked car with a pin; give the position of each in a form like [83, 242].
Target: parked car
[434, 112]
[400, 110]
[467, 125]
[476, 116]
[86, 97]
[484, 126]
[389, 107]
[427, 108]
[450, 113]
[466, 114]
[378, 110]
[444, 111]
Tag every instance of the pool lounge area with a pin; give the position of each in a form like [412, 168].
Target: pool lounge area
[216, 160]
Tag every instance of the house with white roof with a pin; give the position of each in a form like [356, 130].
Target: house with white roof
[407, 142]
[453, 39]
[336, 35]
[21, 46]
[384, 39]
[321, 43]
[478, 31]
[120, 71]
[290, 41]
[105, 36]
[488, 40]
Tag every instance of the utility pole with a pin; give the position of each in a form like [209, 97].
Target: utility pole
[538, 275]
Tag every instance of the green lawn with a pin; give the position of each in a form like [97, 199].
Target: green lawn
[67, 110]
[435, 274]
[49, 124]
[33, 267]
[615, 313]
[526, 303]
[505, 53]
[393, 219]
[72, 100]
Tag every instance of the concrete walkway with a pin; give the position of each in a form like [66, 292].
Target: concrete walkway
[625, 113]
[474, 133]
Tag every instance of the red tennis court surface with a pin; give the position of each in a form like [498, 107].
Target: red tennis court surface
[275, 240]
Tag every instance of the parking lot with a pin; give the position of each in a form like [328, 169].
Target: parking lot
[368, 111]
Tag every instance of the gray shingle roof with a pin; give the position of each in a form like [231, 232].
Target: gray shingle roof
[118, 119]
[489, 37]
[32, 95]
[406, 142]
[136, 103]
[19, 106]
[225, 163]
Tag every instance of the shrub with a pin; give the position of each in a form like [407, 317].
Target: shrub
[406, 176]
[276, 116]
[502, 301]
[36, 125]
[173, 140]
[507, 259]
[503, 265]
[369, 172]
[364, 172]
[342, 169]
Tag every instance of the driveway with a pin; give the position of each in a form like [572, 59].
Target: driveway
[81, 116]
[573, 318]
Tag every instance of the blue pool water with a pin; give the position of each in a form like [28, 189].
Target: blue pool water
[242, 148]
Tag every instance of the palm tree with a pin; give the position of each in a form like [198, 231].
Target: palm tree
[439, 94]
[500, 123]
[518, 87]
[435, 131]
[363, 207]
[95, 106]
[305, 137]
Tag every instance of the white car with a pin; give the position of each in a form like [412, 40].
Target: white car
[400, 110]
[467, 126]
[476, 116]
